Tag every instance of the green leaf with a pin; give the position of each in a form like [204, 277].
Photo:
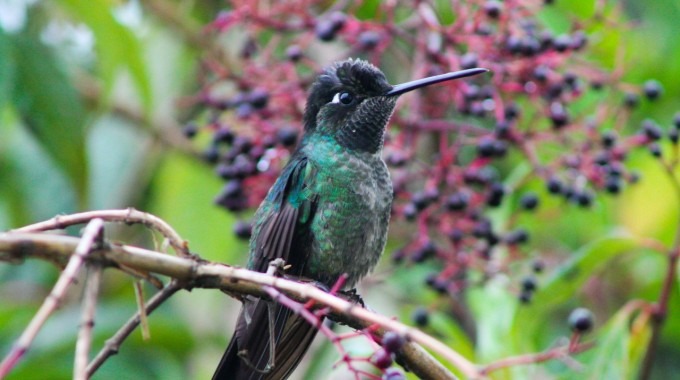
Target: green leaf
[50, 107]
[565, 283]
[6, 68]
[620, 347]
[117, 47]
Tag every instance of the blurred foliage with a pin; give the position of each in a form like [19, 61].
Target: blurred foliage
[88, 97]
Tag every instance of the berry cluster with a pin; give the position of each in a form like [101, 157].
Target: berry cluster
[449, 147]
[253, 104]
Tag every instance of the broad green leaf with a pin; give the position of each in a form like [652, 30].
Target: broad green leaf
[33, 184]
[565, 283]
[117, 155]
[50, 107]
[117, 47]
[620, 346]
[7, 69]
[182, 194]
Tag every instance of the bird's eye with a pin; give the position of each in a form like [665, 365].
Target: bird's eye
[343, 97]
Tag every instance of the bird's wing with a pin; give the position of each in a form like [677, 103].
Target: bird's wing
[289, 208]
[282, 233]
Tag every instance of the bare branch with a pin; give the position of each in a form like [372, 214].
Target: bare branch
[84, 341]
[81, 249]
[127, 216]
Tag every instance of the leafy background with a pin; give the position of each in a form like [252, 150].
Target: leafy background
[89, 120]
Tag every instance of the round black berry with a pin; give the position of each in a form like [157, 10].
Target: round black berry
[562, 42]
[651, 130]
[421, 317]
[518, 236]
[243, 230]
[558, 115]
[554, 186]
[529, 284]
[631, 100]
[258, 98]
[294, 53]
[529, 201]
[382, 359]
[468, 61]
[287, 136]
[495, 195]
[369, 39]
[493, 8]
[581, 320]
[190, 130]
[393, 342]
[652, 89]
[393, 373]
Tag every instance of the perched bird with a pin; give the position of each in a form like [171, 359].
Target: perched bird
[326, 215]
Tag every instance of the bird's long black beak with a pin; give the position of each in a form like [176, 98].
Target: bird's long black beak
[418, 83]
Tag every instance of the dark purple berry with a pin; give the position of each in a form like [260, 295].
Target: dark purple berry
[393, 373]
[541, 73]
[651, 130]
[190, 130]
[580, 320]
[529, 46]
[244, 110]
[554, 186]
[608, 139]
[673, 135]
[338, 20]
[537, 266]
[562, 42]
[529, 283]
[493, 8]
[226, 171]
[525, 297]
[529, 201]
[243, 230]
[393, 342]
[652, 89]
[212, 154]
[485, 147]
[287, 136]
[457, 201]
[613, 185]
[513, 44]
[570, 79]
[410, 212]
[325, 30]
[258, 98]
[583, 198]
[518, 236]
[655, 150]
[631, 100]
[382, 359]
[511, 111]
[676, 120]
[421, 317]
[223, 135]
[294, 53]
[558, 115]
[578, 40]
[468, 61]
[456, 235]
[420, 200]
[495, 195]
[369, 39]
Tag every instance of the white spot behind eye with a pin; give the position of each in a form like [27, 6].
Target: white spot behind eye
[336, 98]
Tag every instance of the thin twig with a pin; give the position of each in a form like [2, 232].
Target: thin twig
[84, 341]
[113, 344]
[51, 303]
[128, 216]
[537, 357]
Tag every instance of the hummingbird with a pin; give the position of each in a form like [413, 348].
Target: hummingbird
[326, 215]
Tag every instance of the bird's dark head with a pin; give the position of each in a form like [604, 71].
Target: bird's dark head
[351, 101]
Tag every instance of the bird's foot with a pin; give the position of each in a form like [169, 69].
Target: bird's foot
[353, 297]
